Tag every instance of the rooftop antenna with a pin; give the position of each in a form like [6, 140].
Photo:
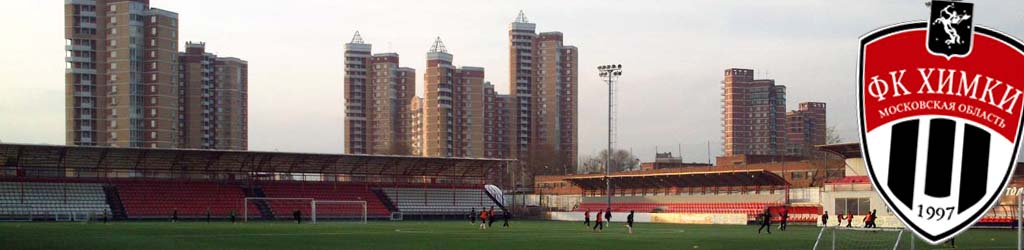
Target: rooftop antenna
[357, 39]
[521, 18]
[438, 46]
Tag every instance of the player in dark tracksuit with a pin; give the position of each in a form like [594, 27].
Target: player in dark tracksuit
[298, 216]
[490, 217]
[608, 217]
[766, 221]
[507, 217]
[629, 221]
[586, 218]
[784, 219]
[824, 219]
[472, 216]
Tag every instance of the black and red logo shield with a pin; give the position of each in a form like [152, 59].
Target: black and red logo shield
[940, 133]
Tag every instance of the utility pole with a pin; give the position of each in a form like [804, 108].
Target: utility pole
[610, 73]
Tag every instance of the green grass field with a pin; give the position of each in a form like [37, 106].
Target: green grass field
[531, 235]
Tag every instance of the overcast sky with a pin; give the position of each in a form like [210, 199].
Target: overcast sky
[673, 55]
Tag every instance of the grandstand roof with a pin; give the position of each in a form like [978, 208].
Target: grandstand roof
[730, 178]
[231, 161]
[846, 150]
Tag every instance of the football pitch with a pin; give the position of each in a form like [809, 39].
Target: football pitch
[531, 235]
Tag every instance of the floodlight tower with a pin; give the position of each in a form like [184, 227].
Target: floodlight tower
[610, 73]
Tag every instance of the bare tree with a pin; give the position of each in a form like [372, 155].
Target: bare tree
[828, 161]
[622, 160]
[832, 135]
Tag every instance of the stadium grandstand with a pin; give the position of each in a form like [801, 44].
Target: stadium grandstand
[737, 189]
[854, 193]
[47, 182]
[724, 196]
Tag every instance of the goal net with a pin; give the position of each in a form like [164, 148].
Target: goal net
[308, 210]
[339, 210]
[862, 238]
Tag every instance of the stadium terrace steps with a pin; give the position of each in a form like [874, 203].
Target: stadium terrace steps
[192, 199]
[116, 207]
[383, 197]
[437, 201]
[45, 199]
[261, 205]
[323, 191]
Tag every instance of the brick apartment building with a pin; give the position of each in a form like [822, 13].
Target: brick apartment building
[213, 100]
[378, 95]
[122, 79]
[753, 114]
[543, 83]
[807, 128]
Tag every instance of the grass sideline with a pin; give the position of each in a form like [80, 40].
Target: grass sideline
[531, 235]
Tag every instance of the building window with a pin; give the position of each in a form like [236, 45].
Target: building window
[152, 19]
[857, 206]
[152, 135]
[113, 65]
[152, 112]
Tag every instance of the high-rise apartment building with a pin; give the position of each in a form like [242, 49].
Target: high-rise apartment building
[807, 127]
[753, 114]
[378, 95]
[453, 107]
[416, 125]
[497, 123]
[543, 85]
[121, 74]
[213, 100]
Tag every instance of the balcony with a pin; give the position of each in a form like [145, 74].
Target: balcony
[77, 59]
[80, 71]
[83, 94]
[87, 25]
[87, 13]
[78, 47]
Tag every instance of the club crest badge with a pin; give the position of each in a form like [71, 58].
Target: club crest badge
[940, 106]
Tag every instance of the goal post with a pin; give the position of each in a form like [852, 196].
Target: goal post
[861, 238]
[275, 208]
[339, 209]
